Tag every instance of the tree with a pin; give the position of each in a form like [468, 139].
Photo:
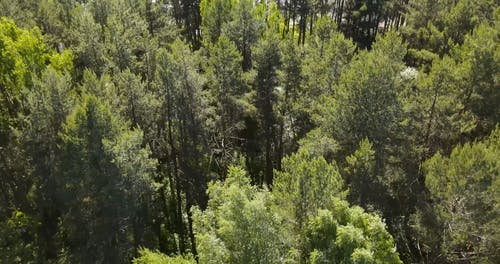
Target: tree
[160, 21]
[21, 12]
[214, 15]
[479, 64]
[362, 20]
[189, 88]
[50, 19]
[451, 103]
[349, 235]
[51, 100]
[153, 257]
[126, 39]
[249, 224]
[183, 113]
[328, 54]
[136, 103]
[361, 176]
[17, 239]
[366, 103]
[87, 42]
[434, 27]
[293, 122]
[227, 97]
[102, 166]
[436, 106]
[464, 189]
[187, 17]
[238, 226]
[24, 58]
[306, 185]
[368, 106]
[243, 29]
[267, 61]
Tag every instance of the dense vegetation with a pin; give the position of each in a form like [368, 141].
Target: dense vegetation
[243, 131]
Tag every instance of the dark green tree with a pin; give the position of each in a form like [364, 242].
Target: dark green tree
[104, 174]
[228, 98]
[267, 61]
[183, 137]
[464, 189]
[243, 29]
[51, 100]
[214, 15]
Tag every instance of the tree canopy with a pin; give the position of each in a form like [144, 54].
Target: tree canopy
[244, 131]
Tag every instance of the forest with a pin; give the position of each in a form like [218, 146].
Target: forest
[250, 131]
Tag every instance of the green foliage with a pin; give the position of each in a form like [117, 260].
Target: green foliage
[454, 98]
[292, 115]
[161, 24]
[182, 138]
[188, 88]
[21, 12]
[27, 143]
[273, 16]
[86, 42]
[243, 29]
[366, 104]
[479, 59]
[126, 39]
[238, 225]
[305, 185]
[24, 55]
[17, 243]
[51, 20]
[214, 15]
[437, 108]
[227, 97]
[328, 55]
[267, 58]
[318, 142]
[436, 26]
[136, 103]
[464, 187]
[154, 257]
[48, 103]
[361, 175]
[349, 235]
[104, 173]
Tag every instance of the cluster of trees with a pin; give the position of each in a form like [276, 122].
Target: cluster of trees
[242, 131]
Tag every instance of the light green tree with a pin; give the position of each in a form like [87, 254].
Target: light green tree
[306, 185]
[238, 226]
[154, 257]
[349, 235]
